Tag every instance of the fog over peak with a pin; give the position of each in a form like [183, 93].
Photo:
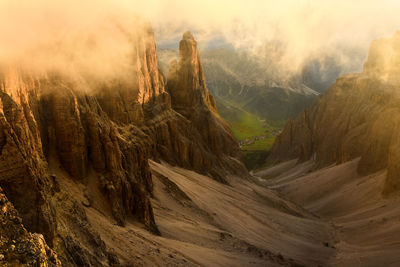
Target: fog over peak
[35, 31]
[303, 29]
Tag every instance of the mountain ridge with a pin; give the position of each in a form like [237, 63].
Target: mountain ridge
[357, 117]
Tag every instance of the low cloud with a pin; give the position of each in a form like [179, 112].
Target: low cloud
[94, 36]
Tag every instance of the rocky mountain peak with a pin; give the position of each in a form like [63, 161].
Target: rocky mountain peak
[186, 80]
[191, 98]
[189, 55]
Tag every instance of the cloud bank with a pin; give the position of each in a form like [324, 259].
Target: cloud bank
[92, 35]
[304, 28]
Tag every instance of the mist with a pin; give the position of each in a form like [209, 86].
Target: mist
[96, 36]
[73, 37]
[302, 28]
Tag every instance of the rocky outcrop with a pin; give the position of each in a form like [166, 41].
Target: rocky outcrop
[186, 81]
[359, 116]
[18, 247]
[106, 134]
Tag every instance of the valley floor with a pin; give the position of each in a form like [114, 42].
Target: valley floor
[203, 222]
[339, 219]
[206, 223]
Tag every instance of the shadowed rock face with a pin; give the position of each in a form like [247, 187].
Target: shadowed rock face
[18, 246]
[359, 116]
[112, 129]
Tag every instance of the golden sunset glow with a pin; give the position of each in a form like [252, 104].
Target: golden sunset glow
[199, 133]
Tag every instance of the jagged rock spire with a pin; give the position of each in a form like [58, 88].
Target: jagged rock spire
[186, 80]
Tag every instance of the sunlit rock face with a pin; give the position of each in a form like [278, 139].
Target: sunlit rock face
[105, 131]
[359, 116]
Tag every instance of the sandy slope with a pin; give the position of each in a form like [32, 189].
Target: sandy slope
[339, 219]
[250, 223]
[367, 225]
[206, 223]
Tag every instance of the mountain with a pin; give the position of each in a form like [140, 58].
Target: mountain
[357, 117]
[136, 170]
[251, 83]
[255, 85]
[140, 169]
[251, 94]
[61, 146]
[256, 93]
[339, 160]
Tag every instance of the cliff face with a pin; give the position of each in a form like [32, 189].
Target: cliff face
[359, 116]
[104, 136]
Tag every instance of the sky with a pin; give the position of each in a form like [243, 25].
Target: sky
[36, 31]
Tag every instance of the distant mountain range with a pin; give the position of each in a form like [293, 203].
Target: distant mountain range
[259, 85]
